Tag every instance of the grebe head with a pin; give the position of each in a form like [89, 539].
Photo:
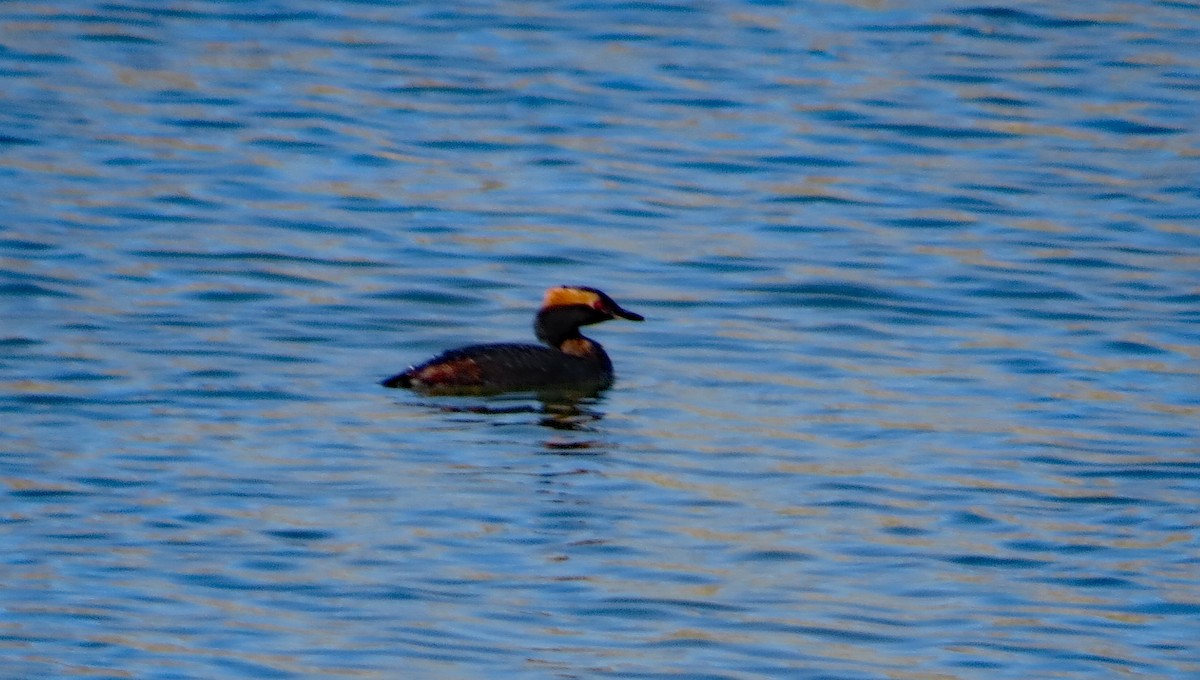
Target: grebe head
[566, 308]
[596, 300]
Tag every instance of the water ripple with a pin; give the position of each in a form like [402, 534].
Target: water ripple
[916, 393]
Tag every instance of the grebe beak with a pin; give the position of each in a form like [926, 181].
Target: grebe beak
[616, 310]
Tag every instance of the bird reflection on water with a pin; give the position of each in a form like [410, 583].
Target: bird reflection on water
[565, 411]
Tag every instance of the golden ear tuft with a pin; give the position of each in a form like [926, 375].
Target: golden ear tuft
[566, 295]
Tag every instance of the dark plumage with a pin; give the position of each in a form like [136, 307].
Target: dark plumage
[569, 360]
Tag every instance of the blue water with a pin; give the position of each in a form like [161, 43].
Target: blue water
[918, 394]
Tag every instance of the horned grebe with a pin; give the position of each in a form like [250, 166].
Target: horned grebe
[570, 360]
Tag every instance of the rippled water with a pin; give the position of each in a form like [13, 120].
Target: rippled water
[917, 396]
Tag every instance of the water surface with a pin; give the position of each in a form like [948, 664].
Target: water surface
[916, 396]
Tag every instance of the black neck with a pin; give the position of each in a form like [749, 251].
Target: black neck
[556, 325]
